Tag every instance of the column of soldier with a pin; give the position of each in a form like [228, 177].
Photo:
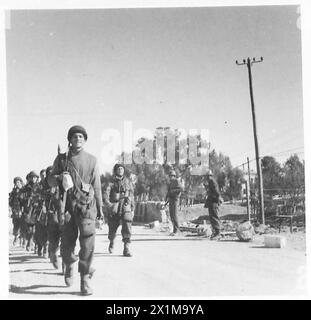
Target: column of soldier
[35, 215]
[51, 210]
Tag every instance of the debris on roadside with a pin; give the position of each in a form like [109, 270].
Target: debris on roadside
[199, 229]
[245, 231]
[273, 241]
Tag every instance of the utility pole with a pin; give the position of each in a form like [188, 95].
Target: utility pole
[249, 187]
[249, 64]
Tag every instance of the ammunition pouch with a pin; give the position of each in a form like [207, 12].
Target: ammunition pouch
[83, 204]
[127, 213]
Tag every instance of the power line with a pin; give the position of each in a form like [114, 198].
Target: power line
[272, 154]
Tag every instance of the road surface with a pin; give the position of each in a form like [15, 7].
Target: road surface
[164, 266]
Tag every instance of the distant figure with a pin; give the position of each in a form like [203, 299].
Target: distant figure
[172, 198]
[212, 202]
[119, 197]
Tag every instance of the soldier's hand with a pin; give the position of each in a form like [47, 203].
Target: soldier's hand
[61, 176]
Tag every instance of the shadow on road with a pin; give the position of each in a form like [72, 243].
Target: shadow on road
[27, 259]
[33, 270]
[29, 290]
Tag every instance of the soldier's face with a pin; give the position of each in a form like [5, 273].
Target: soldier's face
[120, 171]
[77, 141]
[42, 175]
[18, 184]
[34, 179]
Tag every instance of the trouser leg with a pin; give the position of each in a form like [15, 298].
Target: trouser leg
[126, 231]
[41, 236]
[23, 230]
[53, 238]
[68, 241]
[173, 214]
[213, 211]
[113, 224]
[30, 228]
[16, 226]
[87, 244]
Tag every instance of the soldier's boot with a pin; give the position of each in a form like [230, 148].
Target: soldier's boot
[111, 247]
[126, 250]
[28, 245]
[85, 286]
[15, 240]
[68, 274]
[54, 260]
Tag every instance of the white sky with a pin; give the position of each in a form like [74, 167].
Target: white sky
[155, 67]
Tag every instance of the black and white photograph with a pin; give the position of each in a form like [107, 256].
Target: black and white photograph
[154, 152]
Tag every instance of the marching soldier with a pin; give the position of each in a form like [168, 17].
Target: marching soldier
[76, 172]
[212, 203]
[172, 198]
[119, 197]
[16, 208]
[54, 219]
[41, 233]
[32, 206]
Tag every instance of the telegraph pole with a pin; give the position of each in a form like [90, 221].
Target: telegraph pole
[249, 64]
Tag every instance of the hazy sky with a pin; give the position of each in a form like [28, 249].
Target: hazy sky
[155, 67]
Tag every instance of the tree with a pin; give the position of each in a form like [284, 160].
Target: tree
[272, 175]
[294, 178]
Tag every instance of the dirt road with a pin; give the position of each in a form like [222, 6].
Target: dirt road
[163, 266]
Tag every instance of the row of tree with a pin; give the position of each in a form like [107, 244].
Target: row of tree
[151, 179]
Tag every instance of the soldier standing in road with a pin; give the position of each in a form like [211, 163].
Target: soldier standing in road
[119, 197]
[76, 172]
[172, 197]
[16, 208]
[212, 202]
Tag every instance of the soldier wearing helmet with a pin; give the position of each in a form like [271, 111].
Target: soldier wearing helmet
[41, 230]
[53, 225]
[212, 202]
[16, 208]
[32, 206]
[76, 173]
[172, 198]
[119, 197]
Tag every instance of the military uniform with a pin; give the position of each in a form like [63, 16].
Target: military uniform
[41, 232]
[16, 209]
[173, 195]
[83, 203]
[54, 219]
[119, 197]
[32, 209]
[212, 202]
